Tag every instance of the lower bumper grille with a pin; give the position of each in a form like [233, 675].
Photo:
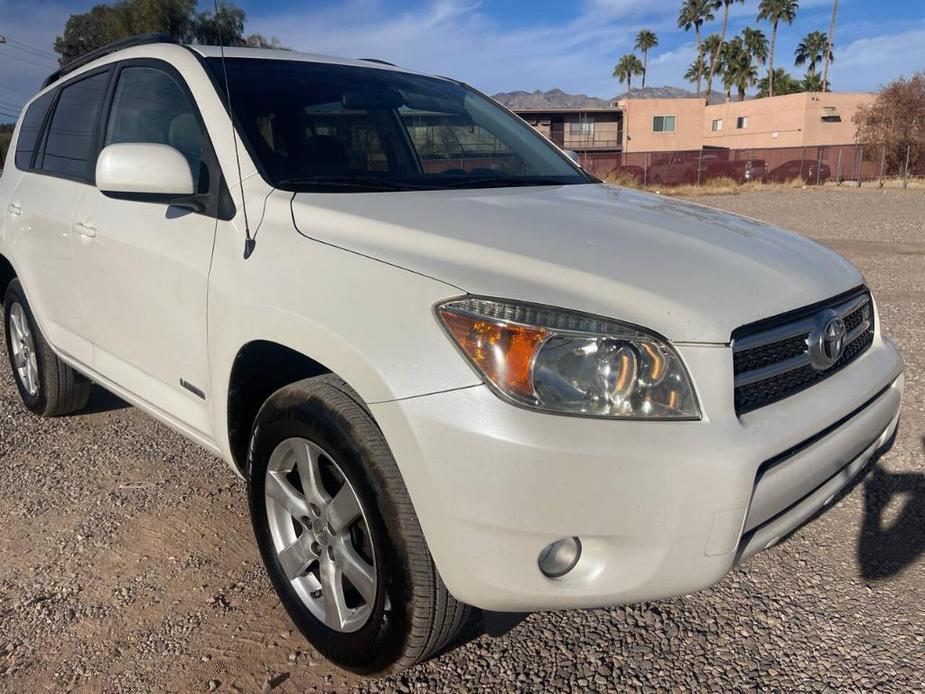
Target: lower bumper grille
[780, 357]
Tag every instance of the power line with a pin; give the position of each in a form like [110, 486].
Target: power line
[28, 62]
[15, 91]
[9, 115]
[28, 48]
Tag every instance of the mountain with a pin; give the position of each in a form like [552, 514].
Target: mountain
[659, 93]
[556, 98]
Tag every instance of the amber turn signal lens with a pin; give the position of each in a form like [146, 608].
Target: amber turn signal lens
[504, 352]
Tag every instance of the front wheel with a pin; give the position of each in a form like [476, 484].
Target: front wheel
[339, 536]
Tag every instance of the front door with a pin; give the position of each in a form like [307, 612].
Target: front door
[144, 266]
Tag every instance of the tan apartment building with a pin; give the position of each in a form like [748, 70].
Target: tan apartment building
[582, 130]
[792, 120]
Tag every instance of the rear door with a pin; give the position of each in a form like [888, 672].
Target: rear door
[145, 265]
[56, 157]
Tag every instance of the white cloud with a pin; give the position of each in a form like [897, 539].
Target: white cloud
[865, 64]
[457, 38]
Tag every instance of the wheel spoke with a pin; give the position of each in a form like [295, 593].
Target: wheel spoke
[297, 557]
[279, 489]
[19, 359]
[16, 321]
[355, 568]
[344, 509]
[32, 376]
[307, 460]
[332, 594]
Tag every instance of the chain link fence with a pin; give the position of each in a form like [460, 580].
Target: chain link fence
[840, 164]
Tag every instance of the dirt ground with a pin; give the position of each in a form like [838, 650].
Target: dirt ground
[127, 562]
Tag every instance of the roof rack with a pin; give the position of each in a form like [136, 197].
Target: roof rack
[137, 40]
[377, 60]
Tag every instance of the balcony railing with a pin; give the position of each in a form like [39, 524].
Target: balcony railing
[595, 141]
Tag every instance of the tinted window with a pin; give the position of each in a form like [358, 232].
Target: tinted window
[345, 128]
[29, 130]
[150, 106]
[69, 141]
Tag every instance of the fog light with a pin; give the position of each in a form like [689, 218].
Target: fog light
[559, 557]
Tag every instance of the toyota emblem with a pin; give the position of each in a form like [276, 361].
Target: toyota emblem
[827, 340]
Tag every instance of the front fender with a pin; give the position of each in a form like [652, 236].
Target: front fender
[369, 322]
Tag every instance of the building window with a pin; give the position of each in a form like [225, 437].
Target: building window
[717, 125]
[663, 124]
[742, 122]
[585, 126]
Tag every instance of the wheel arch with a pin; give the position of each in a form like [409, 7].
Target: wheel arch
[7, 275]
[259, 369]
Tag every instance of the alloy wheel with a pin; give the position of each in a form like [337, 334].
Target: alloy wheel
[22, 343]
[321, 534]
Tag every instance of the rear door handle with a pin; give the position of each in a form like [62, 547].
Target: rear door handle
[14, 209]
[83, 229]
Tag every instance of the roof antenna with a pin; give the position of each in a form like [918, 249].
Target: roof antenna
[249, 241]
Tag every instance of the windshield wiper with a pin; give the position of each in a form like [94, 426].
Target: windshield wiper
[506, 181]
[363, 183]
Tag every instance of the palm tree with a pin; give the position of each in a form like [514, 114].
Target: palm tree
[738, 69]
[784, 83]
[812, 50]
[693, 15]
[776, 11]
[722, 39]
[624, 70]
[645, 40]
[825, 70]
[712, 49]
[695, 70]
[813, 83]
[756, 43]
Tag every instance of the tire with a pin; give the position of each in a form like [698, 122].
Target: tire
[412, 616]
[48, 387]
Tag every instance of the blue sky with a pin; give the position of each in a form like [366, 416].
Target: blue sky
[502, 45]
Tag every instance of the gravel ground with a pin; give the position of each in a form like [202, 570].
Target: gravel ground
[127, 564]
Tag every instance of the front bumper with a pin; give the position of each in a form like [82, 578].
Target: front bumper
[661, 508]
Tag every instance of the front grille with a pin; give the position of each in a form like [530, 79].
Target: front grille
[773, 360]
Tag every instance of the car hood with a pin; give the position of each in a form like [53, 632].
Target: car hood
[689, 272]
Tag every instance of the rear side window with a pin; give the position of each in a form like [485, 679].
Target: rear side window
[150, 106]
[69, 142]
[29, 130]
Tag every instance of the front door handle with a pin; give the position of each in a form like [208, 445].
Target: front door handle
[84, 229]
[14, 209]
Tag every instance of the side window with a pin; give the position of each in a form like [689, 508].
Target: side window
[150, 106]
[29, 130]
[69, 142]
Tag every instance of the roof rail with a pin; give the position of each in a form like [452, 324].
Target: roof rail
[136, 40]
[377, 60]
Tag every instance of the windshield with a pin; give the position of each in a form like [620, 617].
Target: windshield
[317, 127]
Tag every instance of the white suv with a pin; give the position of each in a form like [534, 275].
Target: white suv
[454, 369]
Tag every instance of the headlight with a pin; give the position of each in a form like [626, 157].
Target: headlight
[560, 361]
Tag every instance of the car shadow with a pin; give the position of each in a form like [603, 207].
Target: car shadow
[101, 400]
[886, 547]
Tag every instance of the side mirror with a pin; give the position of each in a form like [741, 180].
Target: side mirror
[144, 171]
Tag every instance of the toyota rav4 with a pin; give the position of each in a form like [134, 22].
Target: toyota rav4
[454, 369]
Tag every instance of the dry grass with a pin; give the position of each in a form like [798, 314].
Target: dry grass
[729, 186]
[713, 186]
